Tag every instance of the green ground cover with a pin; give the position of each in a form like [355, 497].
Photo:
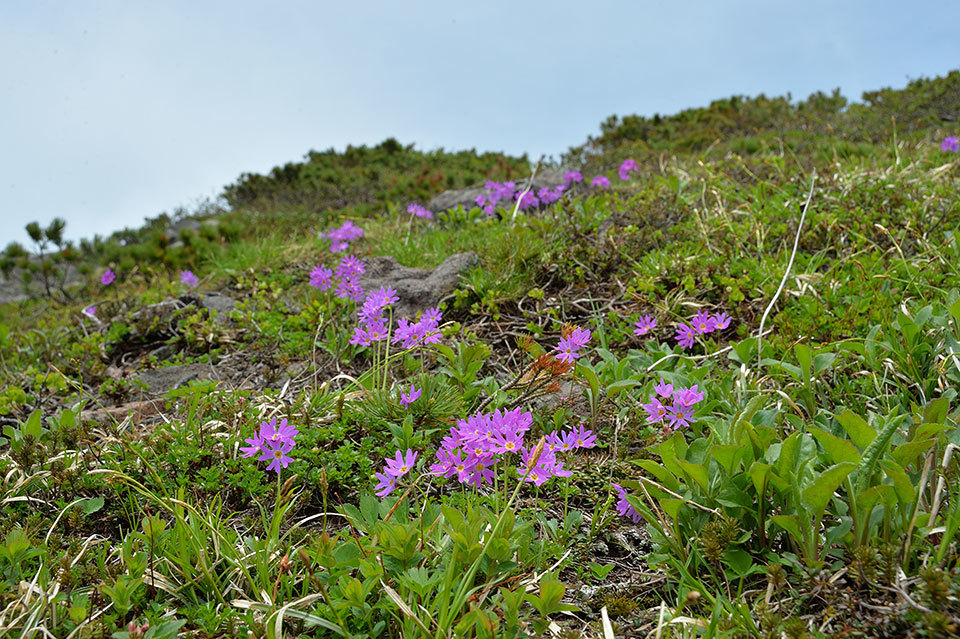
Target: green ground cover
[811, 491]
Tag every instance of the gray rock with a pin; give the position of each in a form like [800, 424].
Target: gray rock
[418, 289]
[217, 302]
[468, 197]
[160, 380]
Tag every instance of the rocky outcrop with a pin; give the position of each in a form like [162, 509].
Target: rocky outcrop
[418, 289]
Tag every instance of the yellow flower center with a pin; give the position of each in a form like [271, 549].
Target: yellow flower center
[508, 445]
[403, 469]
[278, 454]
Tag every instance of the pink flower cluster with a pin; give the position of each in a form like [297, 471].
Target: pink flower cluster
[568, 348]
[700, 324]
[600, 181]
[625, 169]
[107, 278]
[950, 144]
[472, 448]
[672, 405]
[495, 193]
[341, 237]
[572, 176]
[420, 211]
[343, 281]
[272, 443]
[426, 330]
[373, 326]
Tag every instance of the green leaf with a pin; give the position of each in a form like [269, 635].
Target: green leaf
[670, 506]
[660, 471]
[759, 473]
[873, 452]
[727, 455]
[857, 428]
[906, 453]
[955, 310]
[591, 377]
[817, 495]
[805, 357]
[739, 561]
[840, 450]
[668, 455]
[906, 492]
[617, 387]
[33, 426]
[822, 362]
[697, 472]
[91, 505]
[935, 412]
[790, 523]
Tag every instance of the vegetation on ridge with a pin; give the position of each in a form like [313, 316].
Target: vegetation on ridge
[800, 482]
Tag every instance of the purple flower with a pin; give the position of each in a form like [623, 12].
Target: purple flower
[411, 397]
[481, 200]
[721, 321]
[581, 437]
[419, 211]
[321, 277]
[527, 200]
[386, 484]
[276, 453]
[507, 442]
[624, 507]
[91, 310]
[625, 168]
[188, 278]
[664, 388]
[376, 302]
[703, 323]
[271, 432]
[950, 144]
[400, 464]
[601, 181]
[679, 415]
[572, 176]
[350, 267]
[340, 238]
[687, 396]
[254, 449]
[656, 411]
[646, 324]
[107, 278]
[568, 348]
[348, 290]
[685, 336]
[548, 195]
[448, 459]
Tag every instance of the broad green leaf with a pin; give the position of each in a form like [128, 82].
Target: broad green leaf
[817, 495]
[33, 426]
[618, 387]
[926, 431]
[935, 412]
[660, 471]
[591, 377]
[743, 418]
[697, 472]
[840, 450]
[909, 452]
[738, 560]
[955, 310]
[727, 455]
[906, 492]
[668, 454]
[759, 473]
[91, 505]
[823, 362]
[671, 506]
[857, 428]
[790, 523]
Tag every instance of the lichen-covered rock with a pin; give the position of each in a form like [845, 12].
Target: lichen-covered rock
[418, 289]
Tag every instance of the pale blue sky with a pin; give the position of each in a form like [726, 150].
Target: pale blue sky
[114, 111]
